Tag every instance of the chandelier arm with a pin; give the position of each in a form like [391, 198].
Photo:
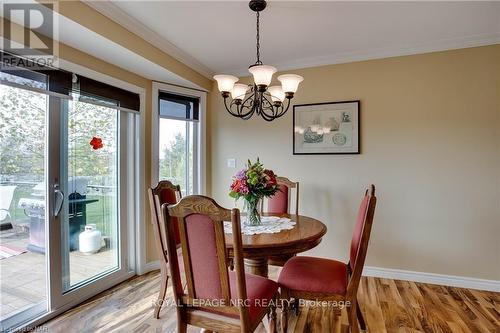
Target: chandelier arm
[268, 105]
[251, 108]
[249, 114]
[283, 109]
[250, 97]
[229, 108]
[277, 111]
[247, 104]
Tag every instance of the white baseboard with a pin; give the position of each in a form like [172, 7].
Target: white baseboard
[150, 266]
[399, 274]
[445, 280]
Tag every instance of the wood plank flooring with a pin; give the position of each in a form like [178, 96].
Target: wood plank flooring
[23, 277]
[388, 306]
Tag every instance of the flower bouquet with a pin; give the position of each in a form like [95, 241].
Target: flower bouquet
[252, 184]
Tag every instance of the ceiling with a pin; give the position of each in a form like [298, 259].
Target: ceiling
[81, 38]
[216, 37]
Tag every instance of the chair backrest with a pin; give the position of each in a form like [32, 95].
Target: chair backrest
[360, 238]
[205, 257]
[6, 196]
[164, 192]
[280, 203]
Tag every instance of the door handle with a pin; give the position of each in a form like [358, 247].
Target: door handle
[59, 203]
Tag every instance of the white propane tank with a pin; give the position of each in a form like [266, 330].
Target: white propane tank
[90, 240]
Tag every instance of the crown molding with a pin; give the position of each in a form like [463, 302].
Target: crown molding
[346, 57]
[113, 12]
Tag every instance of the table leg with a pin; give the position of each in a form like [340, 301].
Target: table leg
[256, 266]
[279, 260]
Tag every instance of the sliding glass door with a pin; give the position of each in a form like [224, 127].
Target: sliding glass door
[92, 175]
[90, 216]
[67, 192]
[23, 202]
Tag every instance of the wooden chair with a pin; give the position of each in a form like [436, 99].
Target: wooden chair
[217, 299]
[281, 203]
[164, 192]
[320, 279]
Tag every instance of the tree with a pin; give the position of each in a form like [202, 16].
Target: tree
[173, 162]
[23, 133]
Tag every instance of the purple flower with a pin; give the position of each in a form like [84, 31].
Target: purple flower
[242, 174]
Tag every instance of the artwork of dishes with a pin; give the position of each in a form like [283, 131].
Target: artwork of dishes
[326, 128]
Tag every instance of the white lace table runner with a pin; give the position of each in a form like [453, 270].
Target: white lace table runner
[270, 225]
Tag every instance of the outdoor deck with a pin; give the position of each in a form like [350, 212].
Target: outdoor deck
[23, 277]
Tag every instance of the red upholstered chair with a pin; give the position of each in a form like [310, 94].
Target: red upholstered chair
[164, 192]
[217, 299]
[281, 203]
[320, 279]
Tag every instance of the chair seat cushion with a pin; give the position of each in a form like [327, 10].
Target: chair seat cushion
[316, 275]
[260, 292]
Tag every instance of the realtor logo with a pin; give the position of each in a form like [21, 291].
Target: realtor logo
[37, 38]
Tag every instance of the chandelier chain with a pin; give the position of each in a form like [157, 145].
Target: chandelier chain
[258, 40]
[244, 101]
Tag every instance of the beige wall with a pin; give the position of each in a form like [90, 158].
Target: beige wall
[430, 138]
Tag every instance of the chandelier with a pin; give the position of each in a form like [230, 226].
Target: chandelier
[270, 102]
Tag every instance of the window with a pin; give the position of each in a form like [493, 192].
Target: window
[178, 137]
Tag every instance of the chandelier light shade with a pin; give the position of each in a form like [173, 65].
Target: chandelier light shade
[290, 82]
[262, 74]
[269, 102]
[277, 94]
[239, 91]
[225, 82]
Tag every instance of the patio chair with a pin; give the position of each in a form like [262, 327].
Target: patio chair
[6, 196]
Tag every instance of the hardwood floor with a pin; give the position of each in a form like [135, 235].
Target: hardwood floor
[388, 306]
[23, 277]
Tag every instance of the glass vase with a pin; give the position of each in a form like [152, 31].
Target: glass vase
[251, 209]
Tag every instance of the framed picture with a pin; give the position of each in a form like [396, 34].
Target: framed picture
[326, 128]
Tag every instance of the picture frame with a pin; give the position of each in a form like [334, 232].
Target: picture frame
[327, 128]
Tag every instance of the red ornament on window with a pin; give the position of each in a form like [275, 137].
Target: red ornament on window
[96, 143]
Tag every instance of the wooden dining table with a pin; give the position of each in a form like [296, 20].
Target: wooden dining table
[257, 249]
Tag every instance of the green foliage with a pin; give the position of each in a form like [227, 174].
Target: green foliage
[173, 162]
[23, 137]
[84, 122]
[22, 132]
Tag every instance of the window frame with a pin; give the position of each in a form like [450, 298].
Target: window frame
[199, 153]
